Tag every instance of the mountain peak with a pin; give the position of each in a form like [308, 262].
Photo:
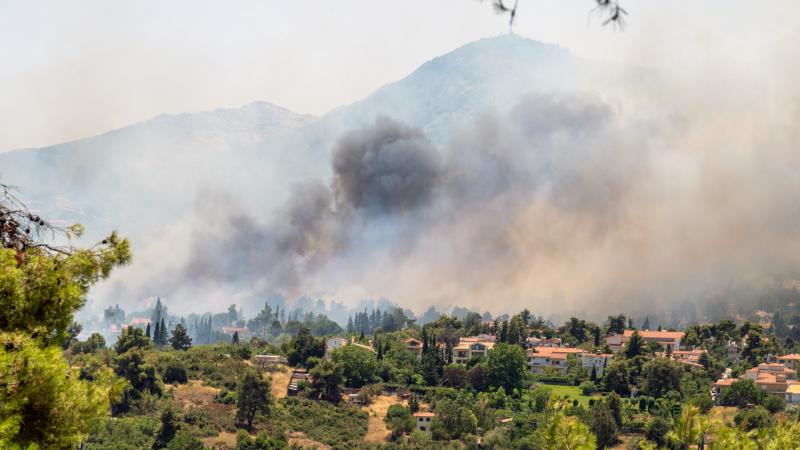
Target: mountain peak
[450, 90]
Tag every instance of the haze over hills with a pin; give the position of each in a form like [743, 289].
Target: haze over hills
[508, 170]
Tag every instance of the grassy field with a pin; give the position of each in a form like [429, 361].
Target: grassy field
[573, 392]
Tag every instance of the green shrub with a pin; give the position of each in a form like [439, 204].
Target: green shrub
[175, 372]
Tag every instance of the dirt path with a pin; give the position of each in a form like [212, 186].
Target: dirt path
[376, 427]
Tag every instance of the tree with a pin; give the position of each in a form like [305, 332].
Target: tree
[661, 375]
[175, 372]
[688, 429]
[610, 11]
[327, 379]
[303, 346]
[37, 390]
[773, 404]
[130, 338]
[616, 377]
[141, 377]
[751, 419]
[656, 431]
[94, 343]
[614, 404]
[359, 365]
[453, 420]
[455, 376]
[235, 338]
[602, 423]
[635, 346]
[169, 426]
[399, 420]
[180, 339]
[163, 334]
[147, 330]
[742, 392]
[506, 366]
[517, 331]
[562, 432]
[616, 324]
[252, 397]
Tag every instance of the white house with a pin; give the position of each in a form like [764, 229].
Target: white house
[422, 421]
[598, 361]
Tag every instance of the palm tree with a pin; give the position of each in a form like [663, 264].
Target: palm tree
[690, 428]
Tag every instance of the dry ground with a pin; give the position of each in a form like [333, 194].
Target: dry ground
[280, 376]
[376, 428]
[299, 438]
[194, 393]
[222, 441]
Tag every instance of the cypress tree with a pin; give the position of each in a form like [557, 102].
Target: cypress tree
[147, 330]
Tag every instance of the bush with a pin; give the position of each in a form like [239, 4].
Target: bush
[225, 397]
[588, 388]
[750, 419]
[175, 372]
[774, 404]
[656, 431]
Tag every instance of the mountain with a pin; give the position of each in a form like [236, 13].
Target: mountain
[155, 175]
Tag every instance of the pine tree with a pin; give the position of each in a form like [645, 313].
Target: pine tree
[646, 324]
[163, 334]
[180, 339]
[157, 334]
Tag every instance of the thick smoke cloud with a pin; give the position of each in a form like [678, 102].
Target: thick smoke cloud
[386, 170]
[566, 203]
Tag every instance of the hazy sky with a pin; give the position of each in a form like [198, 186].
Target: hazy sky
[74, 69]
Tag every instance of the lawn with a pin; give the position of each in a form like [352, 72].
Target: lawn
[573, 392]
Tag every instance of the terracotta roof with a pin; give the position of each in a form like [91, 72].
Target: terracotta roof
[725, 382]
[793, 388]
[424, 414]
[791, 357]
[657, 334]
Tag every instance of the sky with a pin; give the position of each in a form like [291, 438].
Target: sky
[70, 70]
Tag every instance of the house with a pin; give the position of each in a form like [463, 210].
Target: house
[298, 375]
[550, 342]
[333, 343]
[230, 331]
[793, 394]
[555, 358]
[140, 322]
[598, 361]
[719, 387]
[734, 351]
[669, 340]
[336, 342]
[791, 361]
[268, 360]
[688, 357]
[773, 378]
[467, 349]
[414, 346]
[422, 421]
